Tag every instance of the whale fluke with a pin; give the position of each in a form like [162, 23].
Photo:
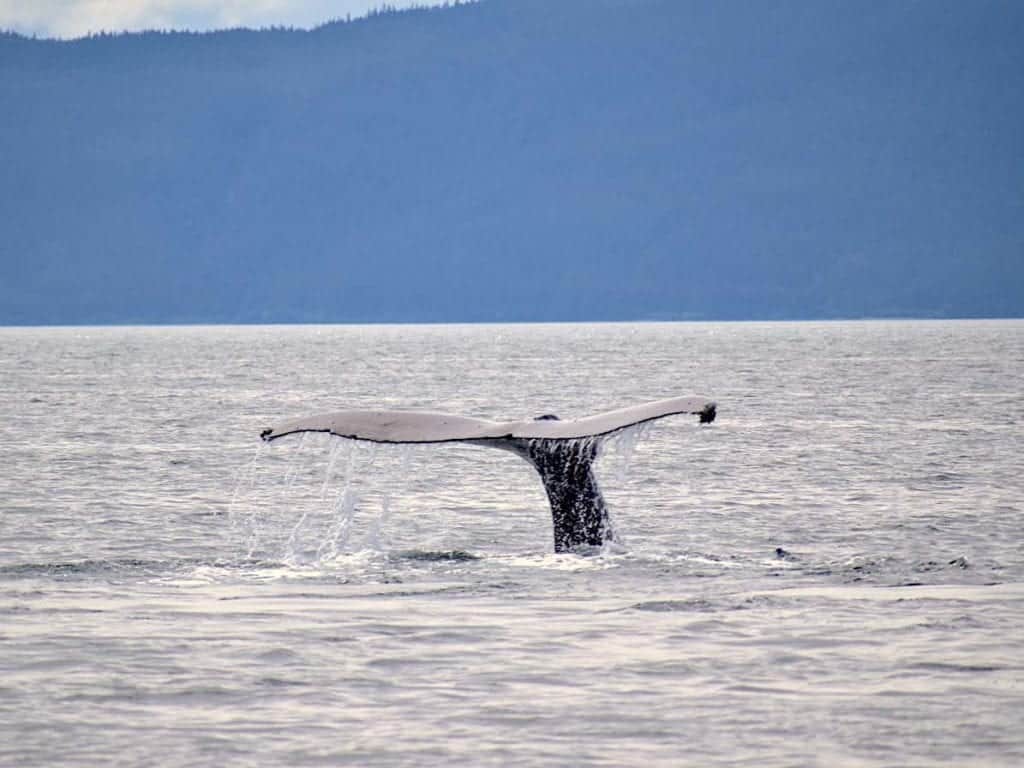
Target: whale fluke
[562, 452]
[381, 426]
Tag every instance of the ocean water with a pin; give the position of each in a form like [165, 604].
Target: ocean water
[831, 574]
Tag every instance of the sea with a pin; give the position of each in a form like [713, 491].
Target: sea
[830, 574]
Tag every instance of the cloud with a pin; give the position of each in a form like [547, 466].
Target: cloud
[75, 18]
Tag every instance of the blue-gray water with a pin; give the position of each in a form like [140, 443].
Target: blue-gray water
[174, 593]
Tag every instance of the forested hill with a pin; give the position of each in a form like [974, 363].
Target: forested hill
[523, 160]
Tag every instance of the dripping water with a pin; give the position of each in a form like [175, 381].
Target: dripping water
[316, 498]
[619, 450]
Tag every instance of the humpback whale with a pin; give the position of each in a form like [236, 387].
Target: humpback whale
[562, 452]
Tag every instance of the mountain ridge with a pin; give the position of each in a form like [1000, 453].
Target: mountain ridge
[513, 160]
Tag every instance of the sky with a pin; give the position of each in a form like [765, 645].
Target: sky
[76, 18]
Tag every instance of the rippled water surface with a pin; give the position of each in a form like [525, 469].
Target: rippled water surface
[830, 574]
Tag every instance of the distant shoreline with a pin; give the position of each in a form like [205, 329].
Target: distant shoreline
[460, 323]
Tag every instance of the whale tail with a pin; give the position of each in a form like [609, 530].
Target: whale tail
[562, 452]
[579, 514]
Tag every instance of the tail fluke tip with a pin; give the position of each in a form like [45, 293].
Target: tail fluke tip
[707, 415]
